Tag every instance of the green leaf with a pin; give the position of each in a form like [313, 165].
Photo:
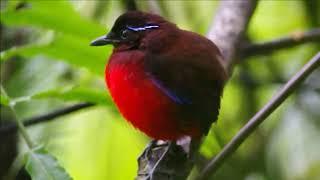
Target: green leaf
[56, 15]
[72, 34]
[4, 100]
[67, 48]
[43, 166]
[77, 94]
[80, 94]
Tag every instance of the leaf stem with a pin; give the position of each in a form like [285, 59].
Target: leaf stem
[21, 127]
[259, 117]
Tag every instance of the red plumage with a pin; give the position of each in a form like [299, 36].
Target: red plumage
[138, 99]
[165, 81]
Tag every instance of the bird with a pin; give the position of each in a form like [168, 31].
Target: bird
[166, 81]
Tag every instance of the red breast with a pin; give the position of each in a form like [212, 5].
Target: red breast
[138, 99]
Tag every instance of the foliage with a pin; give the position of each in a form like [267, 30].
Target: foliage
[42, 165]
[68, 31]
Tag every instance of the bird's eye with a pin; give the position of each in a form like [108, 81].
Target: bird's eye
[125, 34]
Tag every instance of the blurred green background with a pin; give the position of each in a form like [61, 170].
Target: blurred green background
[47, 64]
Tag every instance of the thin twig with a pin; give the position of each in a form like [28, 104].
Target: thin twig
[12, 127]
[260, 116]
[292, 40]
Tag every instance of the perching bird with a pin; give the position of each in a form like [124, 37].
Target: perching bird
[165, 81]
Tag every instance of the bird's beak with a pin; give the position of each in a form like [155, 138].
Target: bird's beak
[104, 40]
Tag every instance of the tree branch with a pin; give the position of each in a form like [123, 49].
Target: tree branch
[130, 5]
[292, 40]
[229, 26]
[154, 7]
[12, 127]
[260, 116]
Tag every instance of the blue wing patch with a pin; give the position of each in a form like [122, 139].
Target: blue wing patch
[173, 95]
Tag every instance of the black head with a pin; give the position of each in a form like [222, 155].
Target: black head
[129, 28]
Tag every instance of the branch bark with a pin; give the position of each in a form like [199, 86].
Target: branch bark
[130, 5]
[260, 116]
[154, 7]
[229, 26]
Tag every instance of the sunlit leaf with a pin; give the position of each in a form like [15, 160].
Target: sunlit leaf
[4, 100]
[59, 16]
[72, 37]
[14, 101]
[67, 48]
[77, 94]
[41, 165]
[211, 145]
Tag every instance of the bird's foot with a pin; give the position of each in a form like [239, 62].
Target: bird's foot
[153, 144]
[152, 158]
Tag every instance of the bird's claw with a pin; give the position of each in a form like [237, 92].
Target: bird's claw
[149, 156]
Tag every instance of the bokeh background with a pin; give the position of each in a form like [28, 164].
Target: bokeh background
[47, 64]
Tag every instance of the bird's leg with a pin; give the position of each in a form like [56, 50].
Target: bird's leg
[185, 143]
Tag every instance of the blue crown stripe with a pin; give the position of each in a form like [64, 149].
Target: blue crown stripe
[143, 28]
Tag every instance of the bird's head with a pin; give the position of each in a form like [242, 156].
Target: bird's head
[130, 29]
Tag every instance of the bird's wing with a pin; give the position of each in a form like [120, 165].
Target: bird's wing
[192, 79]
